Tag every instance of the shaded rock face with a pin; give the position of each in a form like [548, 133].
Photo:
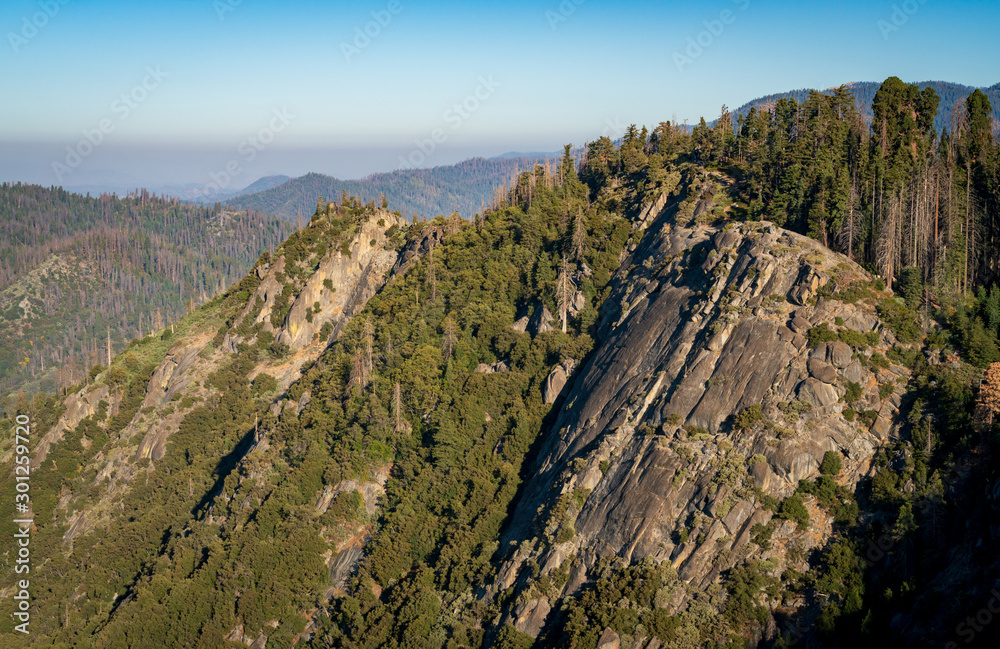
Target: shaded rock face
[415, 250]
[345, 555]
[646, 438]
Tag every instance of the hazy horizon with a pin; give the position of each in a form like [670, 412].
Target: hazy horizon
[177, 93]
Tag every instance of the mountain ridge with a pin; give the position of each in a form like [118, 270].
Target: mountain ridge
[464, 188]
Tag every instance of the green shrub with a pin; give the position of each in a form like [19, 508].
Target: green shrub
[900, 319]
[760, 535]
[857, 340]
[695, 432]
[832, 463]
[279, 350]
[903, 356]
[854, 392]
[868, 416]
[792, 410]
[264, 384]
[793, 509]
[749, 417]
[821, 334]
[117, 375]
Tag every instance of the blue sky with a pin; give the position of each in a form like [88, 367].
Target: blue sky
[217, 72]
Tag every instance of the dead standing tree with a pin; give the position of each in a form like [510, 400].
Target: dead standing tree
[988, 404]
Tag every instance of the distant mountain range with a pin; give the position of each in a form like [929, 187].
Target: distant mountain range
[190, 192]
[466, 186]
[864, 92]
[462, 188]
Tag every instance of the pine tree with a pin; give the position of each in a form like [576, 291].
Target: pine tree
[567, 167]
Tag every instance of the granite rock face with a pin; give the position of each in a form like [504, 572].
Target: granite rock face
[339, 287]
[703, 323]
[557, 379]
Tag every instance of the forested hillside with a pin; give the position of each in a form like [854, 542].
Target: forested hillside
[951, 95]
[919, 206]
[630, 404]
[75, 269]
[464, 188]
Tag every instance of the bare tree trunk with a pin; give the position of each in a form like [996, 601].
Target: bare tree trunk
[563, 290]
[397, 408]
[967, 233]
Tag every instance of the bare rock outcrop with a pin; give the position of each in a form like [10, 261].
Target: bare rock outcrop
[703, 324]
[557, 380]
[340, 286]
[322, 286]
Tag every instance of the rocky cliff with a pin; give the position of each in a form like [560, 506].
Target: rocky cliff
[731, 361]
[309, 287]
